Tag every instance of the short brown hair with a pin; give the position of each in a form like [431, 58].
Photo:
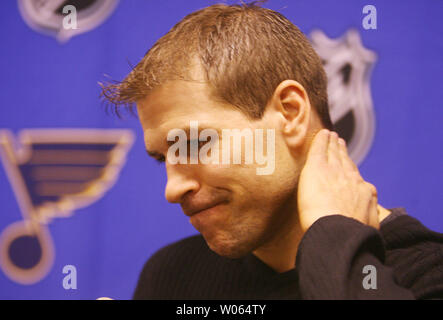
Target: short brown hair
[244, 50]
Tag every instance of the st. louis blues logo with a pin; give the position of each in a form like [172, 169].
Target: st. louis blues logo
[47, 16]
[348, 66]
[53, 172]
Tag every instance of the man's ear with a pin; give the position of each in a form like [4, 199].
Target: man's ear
[291, 101]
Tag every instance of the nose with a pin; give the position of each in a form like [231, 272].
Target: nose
[180, 182]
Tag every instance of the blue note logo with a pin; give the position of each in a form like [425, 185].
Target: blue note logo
[64, 19]
[53, 172]
[348, 65]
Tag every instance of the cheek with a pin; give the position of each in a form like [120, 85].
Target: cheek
[272, 192]
[226, 175]
[263, 193]
[245, 177]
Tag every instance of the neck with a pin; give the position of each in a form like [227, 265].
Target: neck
[279, 253]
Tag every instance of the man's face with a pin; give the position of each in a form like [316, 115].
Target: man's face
[236, 210]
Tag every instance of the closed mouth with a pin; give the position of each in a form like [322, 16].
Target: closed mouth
[195, 211]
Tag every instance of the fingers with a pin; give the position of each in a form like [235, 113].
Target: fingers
[338, 156]
[333, 150]
[319, 146]
[374, 220]
[373, 190]
[346, 161]
[329, 147]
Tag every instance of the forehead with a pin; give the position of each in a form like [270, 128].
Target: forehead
[176, 103]
[171, 101]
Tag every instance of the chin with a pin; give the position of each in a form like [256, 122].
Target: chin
[229, 248]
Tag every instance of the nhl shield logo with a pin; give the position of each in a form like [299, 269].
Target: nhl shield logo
[65, 18]
[348, 66]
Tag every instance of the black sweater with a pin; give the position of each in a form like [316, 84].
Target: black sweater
[408, 261]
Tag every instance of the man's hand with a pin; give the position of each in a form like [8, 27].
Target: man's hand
[330, 183]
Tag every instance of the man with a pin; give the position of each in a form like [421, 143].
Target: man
[312, 228]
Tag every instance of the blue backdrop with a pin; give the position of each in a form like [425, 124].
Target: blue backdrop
[46, 84]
